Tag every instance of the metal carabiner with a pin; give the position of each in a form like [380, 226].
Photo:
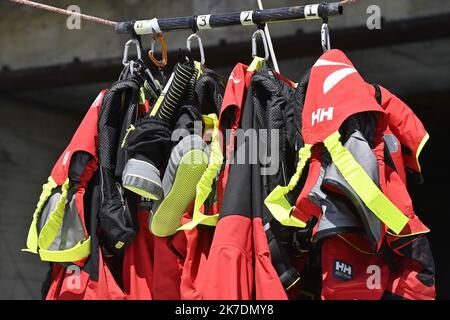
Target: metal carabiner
[255, 47]
[125, 60]
[161, 64]
[200, 46]
[325, 37]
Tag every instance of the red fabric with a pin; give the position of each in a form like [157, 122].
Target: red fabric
[233, 102]
[166, 271]
[397, 156]
[404, 282]
[138, 263]
[67, 285]
[305, 208]
[195, 264]
[405, 125]
[229, 270]
[337, 256]
[267, 283]
[347, 95]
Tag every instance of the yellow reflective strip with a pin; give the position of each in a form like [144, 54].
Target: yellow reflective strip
[156, 106]
[293, 284]
[407, 235]
[276, 201]
[131, 128]
[32, 238]
[80, 251]
[198, 66]
[419, 149]
[363, 185]
[51, 228]
[356, 248]
[141, 96]
[204, 186]
[256, 64]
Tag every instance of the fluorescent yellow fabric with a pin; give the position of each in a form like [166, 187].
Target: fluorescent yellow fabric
[419, 149]
[256, 64]
[54, 223]
[81, 250]
[156, 106]
[363, 185]
[141, 96]
[276, 201]
[198, 66]
[131, 128]
[204, 186]
[32, 239]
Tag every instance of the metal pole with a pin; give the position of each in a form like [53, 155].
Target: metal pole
[244, 18]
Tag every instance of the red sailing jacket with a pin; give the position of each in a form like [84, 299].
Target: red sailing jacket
[196, 268]
[239, 265]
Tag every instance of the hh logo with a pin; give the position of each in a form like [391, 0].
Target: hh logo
[342, 270]
[320, 114]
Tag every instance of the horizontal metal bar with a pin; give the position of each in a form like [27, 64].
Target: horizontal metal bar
[245, 18]
[221, 55]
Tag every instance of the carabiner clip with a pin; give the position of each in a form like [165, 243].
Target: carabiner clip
[200, 46]
[325, 36]
[161, 64]
[125, 60]
[255, 47]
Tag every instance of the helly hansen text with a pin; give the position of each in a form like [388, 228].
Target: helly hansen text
[320, 114]
[342, 270]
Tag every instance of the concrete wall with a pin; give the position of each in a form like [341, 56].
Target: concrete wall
[31, 141]
[30, 37]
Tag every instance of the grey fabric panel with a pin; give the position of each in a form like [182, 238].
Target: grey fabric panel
[363, 154]
[49, 207]
[188, 143]
[391, 143]
[337, 216]
[45, 215]
[142, 175]
[143, 184]
[72, 230]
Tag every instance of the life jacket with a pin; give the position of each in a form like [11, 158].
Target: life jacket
[384, 163]
[329, 105]
[148, 143]
[271, 97]
[94, 280]
[58, 231]
[413, 277]
[118, 206]
[239, 265]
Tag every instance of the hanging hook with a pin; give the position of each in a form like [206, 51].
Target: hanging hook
[126, 62]
[325, 36]
[151, 53]
[254, 46]
[200, 46]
